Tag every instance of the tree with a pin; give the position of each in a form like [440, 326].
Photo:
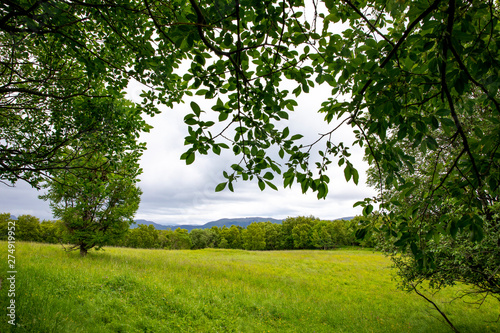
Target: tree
[223, 244]
[273, 233]
[97, 204]
[28, 228]
[180, 239]
[97, 197]
[144, 236]
[96, 208]
[53, 53]
[5, 218]
[200, 238]
[302, 236]
[50, 232]
[321, 237]
[399, 72]
[459, 238]
[214, 237]
[254, 237]
[232, 237]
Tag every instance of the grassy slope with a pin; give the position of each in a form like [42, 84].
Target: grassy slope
[125, 290]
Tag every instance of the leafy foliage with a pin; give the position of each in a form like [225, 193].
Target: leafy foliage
[96, 206]
[54, 57]
[30, 229]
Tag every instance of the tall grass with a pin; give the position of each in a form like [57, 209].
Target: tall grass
[126, 290]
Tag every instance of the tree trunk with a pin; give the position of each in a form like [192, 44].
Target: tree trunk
[83, 251]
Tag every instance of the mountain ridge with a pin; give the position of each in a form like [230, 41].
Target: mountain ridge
[228, 222]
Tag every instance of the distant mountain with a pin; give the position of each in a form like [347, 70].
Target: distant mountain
[145, 222]
[242, 222]
[348, 218]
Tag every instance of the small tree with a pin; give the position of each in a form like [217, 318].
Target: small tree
[144, 236]
[254, 237]
[321, 237]
[302, 236]
[200, 238]
[97, 197]
[49, 232]
[183, 239]
[273, 232]
[223, 244]
[4, 224]
[28, 228]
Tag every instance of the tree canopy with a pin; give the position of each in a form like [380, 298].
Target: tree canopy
[56, 57]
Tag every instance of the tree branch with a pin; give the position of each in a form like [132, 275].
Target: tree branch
[407, 32]
[437, 308]
[374, 28]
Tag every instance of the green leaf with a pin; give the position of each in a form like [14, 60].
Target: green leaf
[453, 228]
[286, 132]
[355, 176]
[296, 137]
[196, 108]
[359, 203]
[190, 120]
[283, 115]
[431, 143]
[223, 116]
[201, 92]
[220, 187]
[367, 210]
[361, 233]
[268, 176]
[189, 157]
[271, 185]
[347, 172]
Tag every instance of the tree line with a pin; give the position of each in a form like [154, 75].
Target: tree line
[293, 233]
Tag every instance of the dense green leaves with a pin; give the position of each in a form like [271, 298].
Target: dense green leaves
[96, 198]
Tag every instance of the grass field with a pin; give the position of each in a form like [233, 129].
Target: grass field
[126, 290]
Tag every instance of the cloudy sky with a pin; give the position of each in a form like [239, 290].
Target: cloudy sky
[174, 193]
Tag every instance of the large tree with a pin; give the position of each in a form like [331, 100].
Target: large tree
[95, 204]
[402, 74]
[96, 196]
[55, 52]
[449, 239]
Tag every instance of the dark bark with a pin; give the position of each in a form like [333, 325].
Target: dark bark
[83, 251]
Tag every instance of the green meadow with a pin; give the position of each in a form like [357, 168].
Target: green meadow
[215, 290]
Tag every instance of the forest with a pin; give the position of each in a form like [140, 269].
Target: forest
[293, 233]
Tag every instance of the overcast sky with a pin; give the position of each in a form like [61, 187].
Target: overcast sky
[174, 193]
